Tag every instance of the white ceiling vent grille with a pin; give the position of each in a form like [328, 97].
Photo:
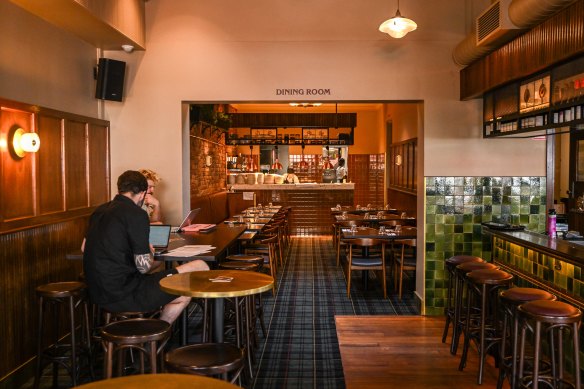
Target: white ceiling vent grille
[494, 23]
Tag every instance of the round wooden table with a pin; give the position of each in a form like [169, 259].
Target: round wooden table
[200, 284]
[160, 381]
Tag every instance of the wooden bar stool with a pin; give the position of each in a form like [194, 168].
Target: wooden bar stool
[73, 295]
[461, 298]
[148, 336]
[450, 308]
[209, 359]
[485, 332]
[555, 319]
[510, 300]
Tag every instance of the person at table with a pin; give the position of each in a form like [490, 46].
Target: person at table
[118, 259]
[151, 204]
[341, 171]
[327, 164]
[290, 177]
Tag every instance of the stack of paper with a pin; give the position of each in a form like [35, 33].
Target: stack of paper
[190, 250]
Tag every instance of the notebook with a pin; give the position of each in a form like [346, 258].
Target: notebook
[188, 220]
[159, 237]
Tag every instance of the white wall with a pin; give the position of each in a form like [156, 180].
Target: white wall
[197, 50]
[42, 65]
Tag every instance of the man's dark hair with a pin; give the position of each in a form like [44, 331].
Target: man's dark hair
[342, 162]
[132, 181]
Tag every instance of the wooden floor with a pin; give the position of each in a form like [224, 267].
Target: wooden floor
[404, 352]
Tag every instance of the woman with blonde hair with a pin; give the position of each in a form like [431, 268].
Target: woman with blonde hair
[151, 204]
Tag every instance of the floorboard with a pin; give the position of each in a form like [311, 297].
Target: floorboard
[404, 352]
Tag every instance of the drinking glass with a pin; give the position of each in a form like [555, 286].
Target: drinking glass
[358, 207]
[241, 218]
[366, 216]
[270, 205]
[404, 215]
[382, 230]
[398, 229]
[353, 229]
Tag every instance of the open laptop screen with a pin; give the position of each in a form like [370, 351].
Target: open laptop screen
[159, 235]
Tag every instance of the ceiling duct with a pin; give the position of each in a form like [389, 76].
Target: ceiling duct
[494, 23]
[522, 14]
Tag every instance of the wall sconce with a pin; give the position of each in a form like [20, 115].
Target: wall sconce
[25, 142]
[208, 160]
[398, 160]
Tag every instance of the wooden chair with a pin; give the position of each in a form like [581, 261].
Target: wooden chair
[338, 233]
[406, 261]
[365, 262]
[270, 256]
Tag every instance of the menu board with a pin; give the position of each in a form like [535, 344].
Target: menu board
[534, 95]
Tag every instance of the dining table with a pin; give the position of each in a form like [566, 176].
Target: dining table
[164, 380]
[217, 285]
[374, 218]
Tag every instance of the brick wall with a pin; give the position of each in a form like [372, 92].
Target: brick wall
[205, 179]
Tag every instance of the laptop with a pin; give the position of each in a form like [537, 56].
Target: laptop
[188, 220]
[159, 237]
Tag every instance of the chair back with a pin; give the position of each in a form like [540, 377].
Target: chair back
[392, 223]
[366, 242]
[350, 223]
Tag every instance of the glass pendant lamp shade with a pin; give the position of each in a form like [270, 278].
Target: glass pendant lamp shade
[398, 26]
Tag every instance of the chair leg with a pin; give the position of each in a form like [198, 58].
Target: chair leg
[383, 273]
[349, 272]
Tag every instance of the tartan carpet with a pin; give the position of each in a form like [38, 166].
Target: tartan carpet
[301, 348]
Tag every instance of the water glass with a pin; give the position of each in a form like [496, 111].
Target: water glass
[398, 228]
[353, 229]
[241, 218]
[358, 207]
[382, 230]
[339, 206]
[261, 213]
[366, 216]
[404, 215]
[270, 205]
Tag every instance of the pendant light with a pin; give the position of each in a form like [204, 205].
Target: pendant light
[398, 26]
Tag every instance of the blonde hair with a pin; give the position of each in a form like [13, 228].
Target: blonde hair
[150, 175]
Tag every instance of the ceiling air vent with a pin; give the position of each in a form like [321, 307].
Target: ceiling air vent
[494, 24]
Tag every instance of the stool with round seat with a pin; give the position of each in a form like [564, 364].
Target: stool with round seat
[510, 299]
[450, 308]
[484, 329]
[258, 259]
[73, 294]
[148, 336]
[209, 359]
[460, 303]
[555, 319]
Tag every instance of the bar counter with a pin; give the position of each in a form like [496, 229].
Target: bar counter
[551, 264]
[311, 202]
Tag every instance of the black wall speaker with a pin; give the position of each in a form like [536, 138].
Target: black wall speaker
[110, 79]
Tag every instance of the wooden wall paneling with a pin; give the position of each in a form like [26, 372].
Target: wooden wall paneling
[50, 170]
[31, 258]
[76, 187]
[18, 193]
[98, 163]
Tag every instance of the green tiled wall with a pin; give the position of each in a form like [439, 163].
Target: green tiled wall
[455, 209]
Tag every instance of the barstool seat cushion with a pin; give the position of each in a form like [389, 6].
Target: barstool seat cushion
[136, 331]
[551, 311]
[244, 258]
[61, 289]
[472, 266]
[458, 259]
[521, 295]
[205, 358]
[489, 276]
[245, 266]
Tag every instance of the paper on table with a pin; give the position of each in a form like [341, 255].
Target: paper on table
[189, 250]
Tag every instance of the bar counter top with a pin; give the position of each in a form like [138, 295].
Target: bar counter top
[301, 186]
[569, 250]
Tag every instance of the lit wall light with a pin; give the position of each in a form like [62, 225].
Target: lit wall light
[25, 142]
[208, 161]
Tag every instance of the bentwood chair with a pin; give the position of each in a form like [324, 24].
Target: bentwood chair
[359, 259]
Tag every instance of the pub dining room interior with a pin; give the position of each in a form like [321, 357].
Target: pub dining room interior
[274, 194]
